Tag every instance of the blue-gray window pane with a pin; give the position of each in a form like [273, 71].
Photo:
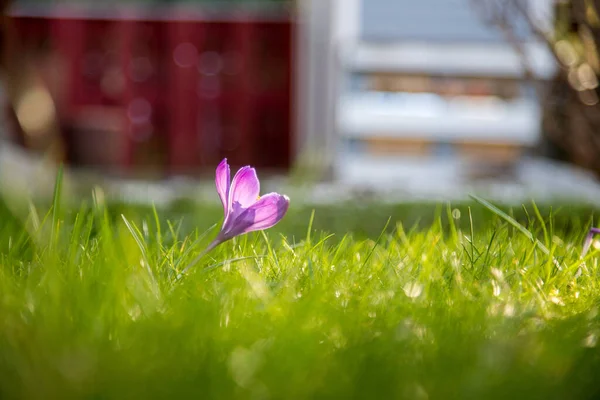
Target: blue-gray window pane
[429, 20]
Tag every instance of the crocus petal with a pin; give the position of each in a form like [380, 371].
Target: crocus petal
[263, 214]
[268, 211]
[222, 180]
[245, 188]
[588, 240]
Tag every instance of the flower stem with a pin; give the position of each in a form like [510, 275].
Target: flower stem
[208, 248]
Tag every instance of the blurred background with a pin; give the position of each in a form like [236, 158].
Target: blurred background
[429, 98]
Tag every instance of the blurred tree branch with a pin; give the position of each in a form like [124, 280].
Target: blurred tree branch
[570, 101]
[504, 14]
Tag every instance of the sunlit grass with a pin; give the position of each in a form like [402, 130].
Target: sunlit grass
[469, 306]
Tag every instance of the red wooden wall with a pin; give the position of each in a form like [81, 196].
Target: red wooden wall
[188, 90]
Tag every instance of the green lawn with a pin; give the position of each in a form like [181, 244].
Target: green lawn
[441, 304]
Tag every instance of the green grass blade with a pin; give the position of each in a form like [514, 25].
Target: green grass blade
[512, 222]
[56, 203]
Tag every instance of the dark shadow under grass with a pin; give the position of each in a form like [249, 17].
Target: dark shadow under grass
[365, 221]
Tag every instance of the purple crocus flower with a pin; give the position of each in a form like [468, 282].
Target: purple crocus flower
[588, 240]
[245, 211]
